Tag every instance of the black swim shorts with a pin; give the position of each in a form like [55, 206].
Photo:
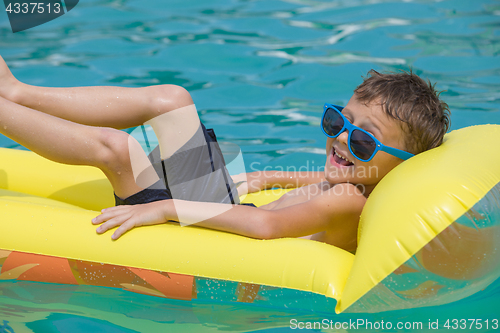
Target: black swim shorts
[195, 172]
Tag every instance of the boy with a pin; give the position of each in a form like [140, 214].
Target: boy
[401, 111]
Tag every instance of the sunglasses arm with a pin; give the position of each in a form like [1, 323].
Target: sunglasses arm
[404, 155]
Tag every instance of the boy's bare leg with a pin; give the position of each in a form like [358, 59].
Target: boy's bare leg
[67, 142]
[168, 109]
[115, 107]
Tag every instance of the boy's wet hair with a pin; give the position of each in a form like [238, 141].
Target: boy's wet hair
[406, 97]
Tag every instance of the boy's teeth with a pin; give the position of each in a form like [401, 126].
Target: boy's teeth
[342, 157]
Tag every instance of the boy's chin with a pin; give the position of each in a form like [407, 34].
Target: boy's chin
[335, 178]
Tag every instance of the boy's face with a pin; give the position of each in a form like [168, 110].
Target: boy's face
[387, 130]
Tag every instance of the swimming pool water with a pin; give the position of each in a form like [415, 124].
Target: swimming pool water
[259, 73]
[42, 307]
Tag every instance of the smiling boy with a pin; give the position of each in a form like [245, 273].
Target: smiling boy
[399, 112]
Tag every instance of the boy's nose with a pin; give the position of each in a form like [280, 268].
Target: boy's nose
[342, 138]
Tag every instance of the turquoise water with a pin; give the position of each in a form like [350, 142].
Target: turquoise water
[259, 73]
[54, 308]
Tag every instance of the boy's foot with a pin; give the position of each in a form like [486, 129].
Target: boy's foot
[8, 82]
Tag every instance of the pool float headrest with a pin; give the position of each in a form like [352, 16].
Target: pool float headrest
[417, 201]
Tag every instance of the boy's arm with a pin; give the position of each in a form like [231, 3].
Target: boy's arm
[261, 180]
[322, 213]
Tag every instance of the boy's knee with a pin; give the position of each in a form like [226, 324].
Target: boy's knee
[168, 97]
[113, 151]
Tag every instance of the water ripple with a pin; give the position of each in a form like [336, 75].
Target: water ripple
[342, 58]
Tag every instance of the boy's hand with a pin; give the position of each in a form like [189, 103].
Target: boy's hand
[128, 217]
[248, 182]
[241, 183]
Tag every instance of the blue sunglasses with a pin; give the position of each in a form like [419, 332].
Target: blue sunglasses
[362, 144]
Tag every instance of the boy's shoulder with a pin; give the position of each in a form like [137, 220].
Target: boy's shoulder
[348, 195]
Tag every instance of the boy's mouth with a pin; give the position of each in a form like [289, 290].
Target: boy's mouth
[337, 159]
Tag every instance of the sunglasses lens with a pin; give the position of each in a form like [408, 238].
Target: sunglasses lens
[362, 145]
[332, 122]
